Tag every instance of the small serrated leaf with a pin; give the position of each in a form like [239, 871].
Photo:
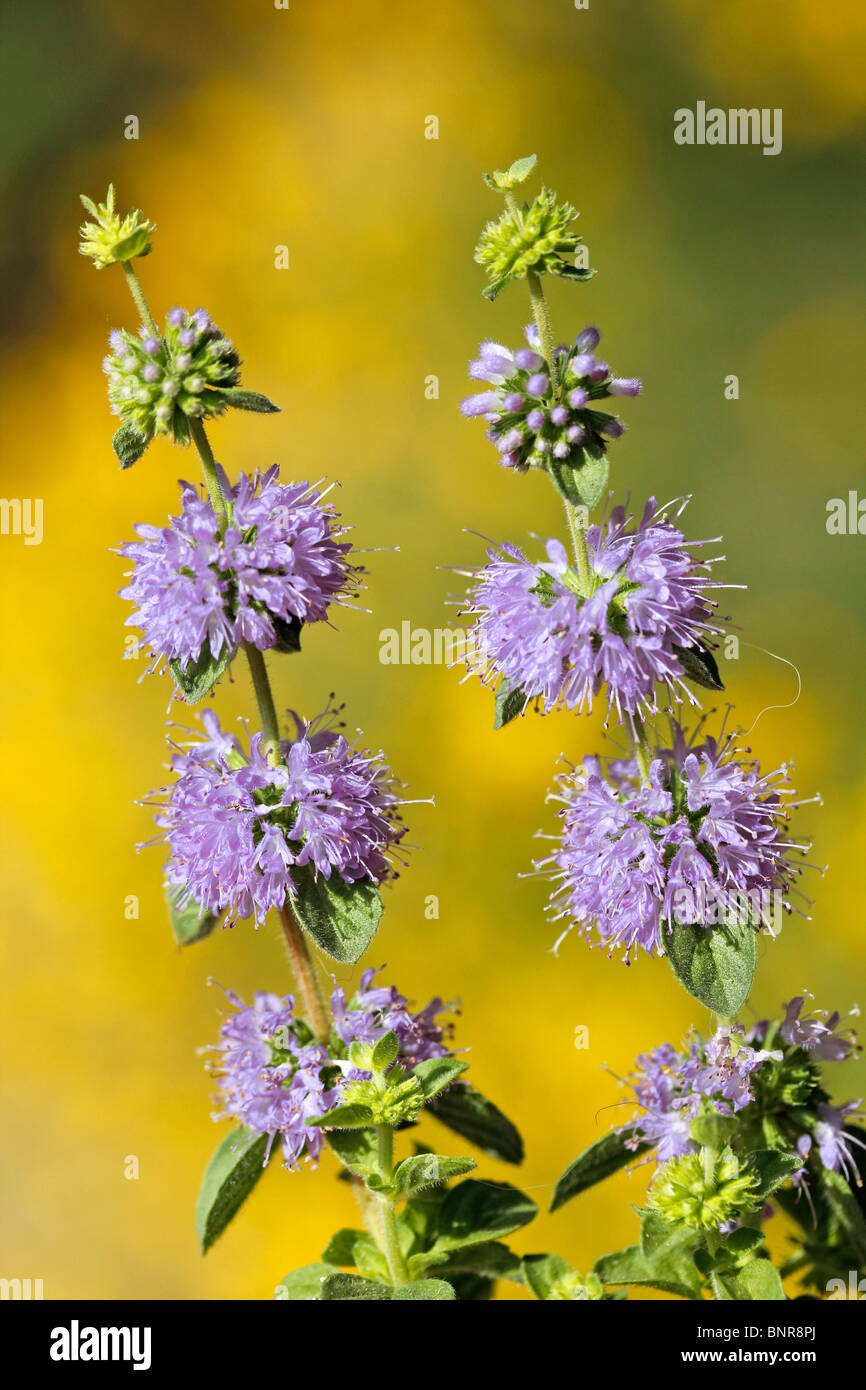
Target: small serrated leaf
[190, 923]
[714, 964]
[342, 918]
[699, 665]
[604, 1157]
[201, 675]
[129, 445]
[241, 399]
[229, 1178]
[510, 701]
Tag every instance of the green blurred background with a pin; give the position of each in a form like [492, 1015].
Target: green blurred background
[305, 127]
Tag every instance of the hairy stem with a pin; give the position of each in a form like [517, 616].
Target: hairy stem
[387, 1216]
[642, 752]
[264, 699]
[208, 465]
[137, 293]
[304, 971]
[578, 541]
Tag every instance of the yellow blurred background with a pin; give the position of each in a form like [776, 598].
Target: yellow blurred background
[305, 127]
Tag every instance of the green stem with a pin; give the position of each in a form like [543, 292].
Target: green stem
[642, 753]
[541, 314]
[387, 1216]
[208, 464]
[264, 699]
[304, 971]
[140, 302]
[578, 541]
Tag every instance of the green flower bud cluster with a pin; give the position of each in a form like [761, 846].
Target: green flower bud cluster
[392, 1099]
[576, 1288]
[156, 384]
[702, 1189]
[532, 239]
[111, 239]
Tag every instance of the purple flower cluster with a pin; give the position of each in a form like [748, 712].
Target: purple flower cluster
[207, 582]
[274, 1077]
[375, 1010]
[670, 1087]
[238, 825]
[702, 841]
[647, 603]
[538, 410]
[270, 1078]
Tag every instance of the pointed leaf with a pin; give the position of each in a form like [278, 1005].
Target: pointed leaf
[428, 1289]
[572, 272]
[229, 1179]
[473, 1213]
[582, 477]
[240, 399]
[676, 1275]
[714, 964]
[426, 1170]
[606, 1156]
[699, 665]
[343, 1117]
[436, 1073]
[201, 675]
[773, 1168]
[357, 1149]
[543, 1271]
[353, 1288]
[288, 635]
[342, 918]
[845, 1208]
[304, 1285]
[509, 702]
[129, 445]
[468, 1113]
[190, 923]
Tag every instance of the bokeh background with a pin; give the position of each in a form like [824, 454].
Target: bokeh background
[305, 127]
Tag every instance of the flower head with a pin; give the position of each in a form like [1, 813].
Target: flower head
[375, 1010]
[156, 385]
[110, 239]
[682, 1191]
[539, 410]
[703, 841]
[272, 1076]
[632, 634]
[817, 1032]
[240, 827]
[206, 582]
[275, 1078]
[534, 238]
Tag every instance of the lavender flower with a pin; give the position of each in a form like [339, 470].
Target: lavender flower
[375, 1010]
[647, 605]
[704, 841]
[739, 1077]
[816, 1032]
[539, 410]
[270, 1075]
[274, 1076]
[240, 827]
[205, 583]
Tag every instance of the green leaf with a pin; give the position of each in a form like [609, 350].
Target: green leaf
[129, 445]
[190, 923]
[744, 1241]
[240, 399]
[490, 1260]
[606, 1156]
[572, 272]
[509, 702]
[342, 918]
[229, 1179]
[437, 1073]
[304, 1285]
[699, 665]
[426, 1170]
[543, 1271]
[471, 1115]
[473, 1213]
[773, 1168]
[714, 964]
[428, 1289]
[343, 1117]
[385, 1052]
[660, 1239]
[202, 674]
[582, 477]
[288, 635]
[521, 169]
[369, 1259]
[674, 1274]
[845, 1208]
[353, 1288]
[491, 291]
[758, 1281]
[357, 1149]
[340, 1248]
